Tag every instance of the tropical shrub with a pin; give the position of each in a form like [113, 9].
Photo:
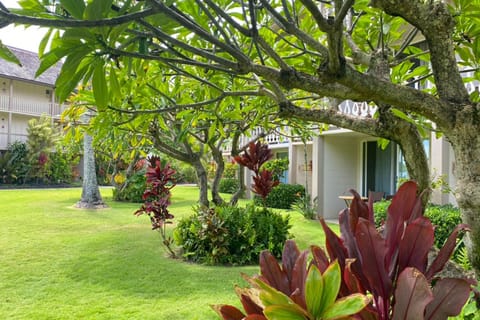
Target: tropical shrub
[159, 182]
[231, 235]
[283, 196]
[231, 170]
[185, 173]
[14, 165]
[60, 168]
[132, 188]
[229, 185]
[391, 265]
[294, 291]
[307, 207]
[277, 167]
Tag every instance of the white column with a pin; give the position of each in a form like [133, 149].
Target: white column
[318, 173]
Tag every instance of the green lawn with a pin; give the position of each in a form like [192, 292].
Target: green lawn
[58, 262]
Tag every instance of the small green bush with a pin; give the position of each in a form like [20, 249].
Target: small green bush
[133, 192]
[380, 211]
[231, 170]
[231, 235]
[283, 196]
[229, 185]
[444, 217]
[60, 168]
[185, 173]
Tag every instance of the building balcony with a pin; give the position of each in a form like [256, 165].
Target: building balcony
[29, 107]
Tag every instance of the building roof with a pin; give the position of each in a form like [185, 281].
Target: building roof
[26, 72]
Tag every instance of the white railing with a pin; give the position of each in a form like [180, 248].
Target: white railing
[357, 109]
[29, 107]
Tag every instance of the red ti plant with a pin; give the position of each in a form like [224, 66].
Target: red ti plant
[156, 198]
[294, 291]
[392, 264]
[254, 158]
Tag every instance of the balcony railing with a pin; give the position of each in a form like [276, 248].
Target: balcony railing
[357, 109]
[29, 107]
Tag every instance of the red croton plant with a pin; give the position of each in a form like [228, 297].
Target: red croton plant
[390, 265]
[159, 181]
[254, 158]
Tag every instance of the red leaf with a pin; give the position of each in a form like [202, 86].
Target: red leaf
[320, 258]
[399, 211]
[445, 252]
[271, 272]
[350, 280]
[373, 248]
[412, 295]
[256, 155]
[297, 282]
[348, 232]
[228, 312]
[249, 306]
[450, 295]
[289, 257]
[358, 209]
[415, 245]
[334, 244]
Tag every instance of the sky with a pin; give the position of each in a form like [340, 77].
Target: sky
[20, 37]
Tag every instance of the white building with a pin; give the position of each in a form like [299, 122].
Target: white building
[24, 96]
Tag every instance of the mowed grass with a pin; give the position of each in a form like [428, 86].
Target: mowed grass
[58, 262]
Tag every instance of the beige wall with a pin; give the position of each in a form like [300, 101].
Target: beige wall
[298, 170]
[442, 165]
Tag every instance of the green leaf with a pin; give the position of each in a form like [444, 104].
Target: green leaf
[100, 88]
[314, 287]
[115, 91]
[33, 5]
[271, 296]
[8, 55]
[331, 282]
[283, 312]
[43, 43]
[74, 7]
[97, 9]
[346, 306]
[51, 58]
[67, 81]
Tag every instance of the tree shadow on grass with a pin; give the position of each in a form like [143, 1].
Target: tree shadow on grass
[134, 262]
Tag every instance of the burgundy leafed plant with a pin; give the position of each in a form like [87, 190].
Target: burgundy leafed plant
[254, 158]
[157, 197]
[390, 265]
[393, 264]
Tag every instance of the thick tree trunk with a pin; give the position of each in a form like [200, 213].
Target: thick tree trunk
[91, 198]
[466, 145]
[202, 182]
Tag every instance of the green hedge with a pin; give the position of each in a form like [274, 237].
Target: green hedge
[229, 185]
[444, 217]
[282, 196]
[231, 235]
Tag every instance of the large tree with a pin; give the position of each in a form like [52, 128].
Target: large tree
[400, 55]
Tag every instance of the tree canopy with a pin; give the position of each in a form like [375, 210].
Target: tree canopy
[409, 59]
